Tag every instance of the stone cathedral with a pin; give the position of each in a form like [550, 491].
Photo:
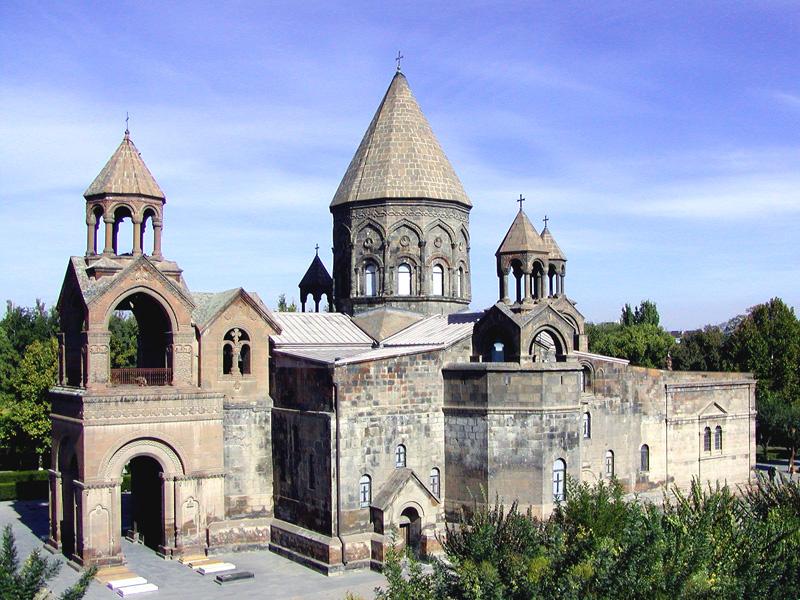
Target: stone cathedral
[323, 435]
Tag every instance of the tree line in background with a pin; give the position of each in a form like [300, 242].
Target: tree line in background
[765, 342]
[708, 543]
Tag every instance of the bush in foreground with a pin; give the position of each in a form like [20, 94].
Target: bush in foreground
[708, 543]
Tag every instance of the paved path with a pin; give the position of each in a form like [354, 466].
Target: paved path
[275, 577]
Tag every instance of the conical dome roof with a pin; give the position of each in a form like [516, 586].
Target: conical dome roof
[553, 250]
[521, 237]
[125, 173]
[399, 156]
[316, 276]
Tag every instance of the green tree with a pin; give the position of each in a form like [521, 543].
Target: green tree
[29, 580]
[646, 313]
[30, 412]
[702, 350]
[283, 306]
[767, 343]
[124, 333]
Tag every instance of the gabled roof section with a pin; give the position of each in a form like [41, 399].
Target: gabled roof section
[438, 330]
[319, 330]
[521, 237]
[209, 306]
[92, 289]
[398, 480]
[125, 173]
[316, 276]
[382, 322]
[553, 250]
[399, 156]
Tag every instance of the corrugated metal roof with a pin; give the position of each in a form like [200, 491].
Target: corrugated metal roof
[381, 353]
[345, 355]
[318, 329]
[441, 330]
[328, 354]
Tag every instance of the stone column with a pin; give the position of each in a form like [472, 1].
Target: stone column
[137, 237]
[156, 239]
[108, 248]
[56, 509]
[91, 235]
[423, 273]
[168, 510]
[502, 275]
[99, 365]
[561, 278]
[527, 279]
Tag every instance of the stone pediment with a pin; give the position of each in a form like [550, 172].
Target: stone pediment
[713, 410]
[402, 483]
[227, 300]
[141, 272]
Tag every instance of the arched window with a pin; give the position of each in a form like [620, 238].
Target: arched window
[370, 280]
[609, 463]
[587, 425]
[545, 347]
[586, 379]
[459, 289]
[707, 439]
[400, 457]
[227, 358]
[435, 482]
[244, 359]
[236, 352]
[644, 458]
[559, 480]
[498, 352]
[437, 289]
[718, 438]
[404, 280]
[364, 491]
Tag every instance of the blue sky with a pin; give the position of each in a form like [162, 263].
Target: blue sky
[662, 139]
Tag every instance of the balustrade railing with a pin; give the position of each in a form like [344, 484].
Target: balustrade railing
[141, 377]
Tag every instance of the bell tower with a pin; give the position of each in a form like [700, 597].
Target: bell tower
[124, 189]
[400, 218]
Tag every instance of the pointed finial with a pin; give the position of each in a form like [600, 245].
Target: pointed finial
[521, 200]
[398, 59]
[127, 116]
[316, 248]
[545, 221]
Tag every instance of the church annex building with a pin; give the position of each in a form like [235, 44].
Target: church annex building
[317, 434]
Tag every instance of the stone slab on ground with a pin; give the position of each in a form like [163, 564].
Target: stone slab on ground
[135, 590]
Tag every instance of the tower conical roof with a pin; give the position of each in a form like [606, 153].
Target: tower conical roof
[316, 276]
[550, 243]
[521, 237]
[125, 173]
[399, 156]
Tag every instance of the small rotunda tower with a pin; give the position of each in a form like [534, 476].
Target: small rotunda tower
[124, 189]
[536, 263]
[400, 218]
[316, 282]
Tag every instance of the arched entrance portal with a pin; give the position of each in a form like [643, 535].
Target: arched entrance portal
[142, 508]
[411, 529]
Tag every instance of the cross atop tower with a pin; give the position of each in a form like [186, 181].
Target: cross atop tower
[127, 116]
[545, 221]
[316, 248]
[397, 59]
[521, 200]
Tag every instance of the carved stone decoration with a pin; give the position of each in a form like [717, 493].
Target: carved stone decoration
[142, 275]
[437, 242]
[369, 243]
[396, 211]
[405, 241]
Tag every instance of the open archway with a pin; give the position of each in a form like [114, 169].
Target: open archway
[142, 517]
[141, 341]
[411, 530]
